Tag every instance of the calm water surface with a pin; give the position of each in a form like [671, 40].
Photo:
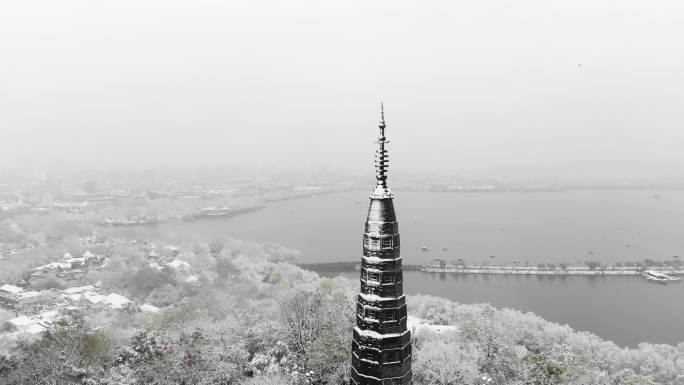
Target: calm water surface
[626, 310]
[570, 227]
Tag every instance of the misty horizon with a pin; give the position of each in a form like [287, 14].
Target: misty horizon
[535, 90]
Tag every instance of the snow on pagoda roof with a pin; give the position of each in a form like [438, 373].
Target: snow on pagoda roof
[381, 192]
[375, 298]
[379, 260]
[374, 334]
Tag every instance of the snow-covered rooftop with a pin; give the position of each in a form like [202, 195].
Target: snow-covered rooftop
[72, 260]
[22, 321]
[78, 289]
[114, 301]
[90, 296]
[35, 328]
[117, 301]
[28, 294]
[149, 308]
[177, 263]
[155, 265]
[191, 279]
[54, 266]
[36, 323]
[11, 288]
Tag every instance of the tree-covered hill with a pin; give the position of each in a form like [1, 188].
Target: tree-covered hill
[254, 318]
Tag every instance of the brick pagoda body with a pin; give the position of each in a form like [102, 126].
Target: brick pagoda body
[381, 346]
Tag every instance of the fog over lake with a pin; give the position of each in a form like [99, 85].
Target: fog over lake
[561, 227]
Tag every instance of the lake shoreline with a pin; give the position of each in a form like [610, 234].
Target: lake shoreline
[331, 267]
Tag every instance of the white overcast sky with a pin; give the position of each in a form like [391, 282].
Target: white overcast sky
[480, 88]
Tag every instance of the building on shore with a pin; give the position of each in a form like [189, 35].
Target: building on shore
[381, 345]
[17, 299]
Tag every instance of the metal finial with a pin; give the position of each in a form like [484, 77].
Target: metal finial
[381, 160]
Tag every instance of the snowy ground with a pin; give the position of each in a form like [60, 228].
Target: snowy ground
[415, 324]
[5, 316]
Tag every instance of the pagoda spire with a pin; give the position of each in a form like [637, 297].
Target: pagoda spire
[381, 160]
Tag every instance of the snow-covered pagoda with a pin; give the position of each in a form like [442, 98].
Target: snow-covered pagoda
[381, 346]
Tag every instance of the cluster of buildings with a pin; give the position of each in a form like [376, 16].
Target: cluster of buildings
[33, 324]
[89, 297]
[18, 300]
[37, 311]
[159, 257]
[69, 269]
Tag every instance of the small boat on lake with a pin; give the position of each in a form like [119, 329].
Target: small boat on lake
[658, 277]
[216, 211]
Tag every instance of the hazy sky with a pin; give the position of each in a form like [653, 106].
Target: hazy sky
[481, 88]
